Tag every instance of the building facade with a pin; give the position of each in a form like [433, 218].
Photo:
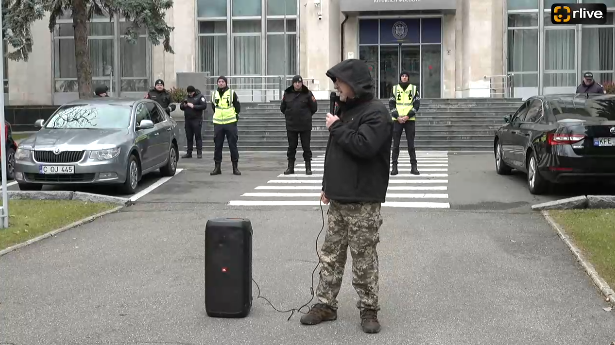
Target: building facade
[451, 48]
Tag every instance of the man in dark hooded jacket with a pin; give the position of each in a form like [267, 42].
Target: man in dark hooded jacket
[298, 106]
[355, 182]
[101, 91]
[404, 104]
[193, 107]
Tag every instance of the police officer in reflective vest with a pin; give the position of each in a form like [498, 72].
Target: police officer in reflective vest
[226, 109]
[404, 104]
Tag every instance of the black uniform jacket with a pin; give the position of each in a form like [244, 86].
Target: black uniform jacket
[298, 108]
[162, 97]
[358, 153]
[200, 104]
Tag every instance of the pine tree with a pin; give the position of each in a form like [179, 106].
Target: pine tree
[18, 16]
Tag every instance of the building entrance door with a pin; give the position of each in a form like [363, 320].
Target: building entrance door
[397, 59]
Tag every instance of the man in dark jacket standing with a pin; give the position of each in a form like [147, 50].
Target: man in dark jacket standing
[589, 85]
[193, 107]
[298, 106]
[404, 104]
[161, 95]
[355, 182]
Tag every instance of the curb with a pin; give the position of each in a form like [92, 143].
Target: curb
[605, 289]
[57, 231]
[67, 195]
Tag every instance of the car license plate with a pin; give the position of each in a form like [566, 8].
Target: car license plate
[56, 169]
[604, 141]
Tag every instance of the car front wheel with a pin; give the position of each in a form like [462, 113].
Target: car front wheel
[132, 176]
[10, 164]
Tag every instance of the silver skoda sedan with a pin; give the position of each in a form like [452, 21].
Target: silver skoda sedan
[99, 141]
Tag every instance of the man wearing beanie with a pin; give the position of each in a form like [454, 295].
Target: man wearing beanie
[193, 107]
[404, 104]
[101, 91]
[161, 95]
[298, 106]
[226, 109]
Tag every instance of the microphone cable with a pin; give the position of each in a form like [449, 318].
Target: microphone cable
[293, 310]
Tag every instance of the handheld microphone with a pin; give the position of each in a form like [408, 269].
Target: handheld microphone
[332, 100]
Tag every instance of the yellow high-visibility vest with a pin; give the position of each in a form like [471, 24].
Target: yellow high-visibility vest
[403, 100]
[225, 111]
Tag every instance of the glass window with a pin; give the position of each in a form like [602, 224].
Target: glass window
[247, 55]
[431, 66]
[608, 3]
[280, 7]
[277, 25]
[213, 55]
[101, 116]
[212, 27]
[535, 112]
[369, 55]
[246, 26]
[523, 50]
[522, 4]
[275, 54]
[547, 21]
[101, 60]
[246, 8]
[368, 31]
[431, 30]
[592, 109]
[133, 61]
[522, 20]
[597, 50]
[390, 30]
[211, 8]
[559, 56]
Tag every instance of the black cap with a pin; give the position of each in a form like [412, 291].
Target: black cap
[190, 89]
[100, 89]
[588, 75]
[223, 78]
[159, 81]
[407, 74]
[297, 78]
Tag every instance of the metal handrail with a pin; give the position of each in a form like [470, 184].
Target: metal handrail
[501, 85]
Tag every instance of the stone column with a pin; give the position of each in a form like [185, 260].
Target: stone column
[30, 82]
[319, 42]
[481, 45]
[184, 37]
[163, 64]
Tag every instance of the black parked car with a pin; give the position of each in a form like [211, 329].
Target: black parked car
[11, 147]
[559, 139]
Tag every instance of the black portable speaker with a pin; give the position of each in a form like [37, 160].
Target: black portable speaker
[228, 267]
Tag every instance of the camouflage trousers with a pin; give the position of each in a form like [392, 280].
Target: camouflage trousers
[355, 226]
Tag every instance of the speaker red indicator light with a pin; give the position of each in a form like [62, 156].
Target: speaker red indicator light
[223, 269]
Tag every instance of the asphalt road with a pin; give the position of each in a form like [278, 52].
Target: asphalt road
[487, 270]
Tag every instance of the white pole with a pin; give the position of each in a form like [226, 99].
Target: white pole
[285, 49]
[5, 201]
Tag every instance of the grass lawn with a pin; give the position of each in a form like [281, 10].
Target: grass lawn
[593, 232]
[32, 218]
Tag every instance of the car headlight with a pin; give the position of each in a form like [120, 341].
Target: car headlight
[105, 154]
[22, 154]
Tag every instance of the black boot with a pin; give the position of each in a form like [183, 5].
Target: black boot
[394, 170]
[199, 154]
[308, 167]
[291, 168]
[414, 170]
[187, 155]
[235, 170]
[217, 170]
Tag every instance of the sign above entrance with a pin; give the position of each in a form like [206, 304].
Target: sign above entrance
[396, 5]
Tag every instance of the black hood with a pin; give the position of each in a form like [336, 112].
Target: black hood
[355, 73]
[197, 92]
[404, 85]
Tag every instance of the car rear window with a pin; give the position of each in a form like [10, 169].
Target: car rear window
[90, 116]
[598, 109]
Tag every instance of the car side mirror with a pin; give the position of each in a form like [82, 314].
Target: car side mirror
[168, 111]
[145, 124]
[507, 118]
[39, 123]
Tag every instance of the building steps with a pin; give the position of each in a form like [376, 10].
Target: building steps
[442, 124]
